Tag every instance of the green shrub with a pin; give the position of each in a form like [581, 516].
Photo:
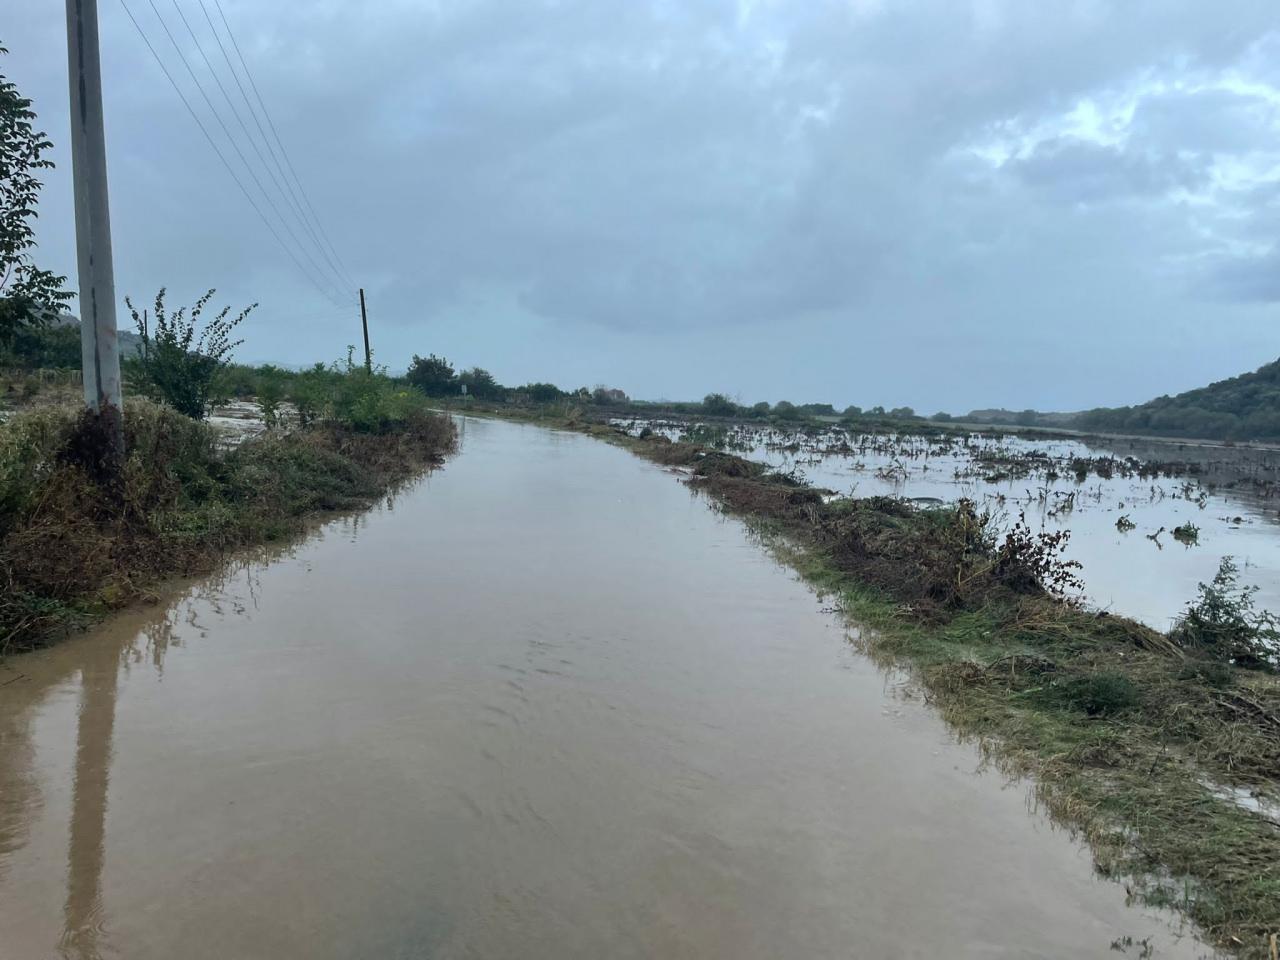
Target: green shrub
[1223, 623]
[177, 365]
[347, 394]
[271, 394]
[237, 380]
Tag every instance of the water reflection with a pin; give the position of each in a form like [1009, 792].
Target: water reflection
[20, 796]
[83, 917]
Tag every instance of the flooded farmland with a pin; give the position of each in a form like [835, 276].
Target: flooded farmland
[543, 703]
[1149, 520]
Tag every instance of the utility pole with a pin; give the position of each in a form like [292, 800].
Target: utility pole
[364, 322]
[98, 348]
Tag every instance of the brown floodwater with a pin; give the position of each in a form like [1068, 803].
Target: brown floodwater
[544, 703]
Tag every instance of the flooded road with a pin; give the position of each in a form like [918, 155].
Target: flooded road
[544, 704]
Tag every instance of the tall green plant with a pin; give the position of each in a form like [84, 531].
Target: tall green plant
[28, 295]
[180, 359]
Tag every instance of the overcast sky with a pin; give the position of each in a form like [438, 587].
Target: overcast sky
[938, 203]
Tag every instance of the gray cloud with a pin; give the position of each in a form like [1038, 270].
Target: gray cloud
[772, 198]
[1084, 171]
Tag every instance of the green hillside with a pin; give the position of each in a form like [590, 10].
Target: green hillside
[1246, 407]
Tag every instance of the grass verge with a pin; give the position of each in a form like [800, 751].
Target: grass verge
[70, 550]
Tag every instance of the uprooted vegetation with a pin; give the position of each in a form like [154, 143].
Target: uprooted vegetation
[1135, 737]
[72, 548]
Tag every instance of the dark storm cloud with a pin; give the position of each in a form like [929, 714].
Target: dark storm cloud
[589, 190]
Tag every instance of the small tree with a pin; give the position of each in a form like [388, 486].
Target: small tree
[718, 405]
[480, 383]
[28, 296]
[543, 392]
[178, 366]
[432, 375]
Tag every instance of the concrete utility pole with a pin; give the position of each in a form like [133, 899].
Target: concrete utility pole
[364, 322]
[99, 352]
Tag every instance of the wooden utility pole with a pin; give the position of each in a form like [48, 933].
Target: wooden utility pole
[98, 348]
[364, 322]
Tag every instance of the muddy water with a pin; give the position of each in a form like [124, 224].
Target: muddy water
[544, 704]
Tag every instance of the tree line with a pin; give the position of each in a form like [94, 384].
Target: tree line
[1246, 407]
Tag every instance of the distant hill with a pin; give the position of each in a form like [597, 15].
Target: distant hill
[1246, 407]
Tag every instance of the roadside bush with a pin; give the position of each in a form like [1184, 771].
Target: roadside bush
[1223, 622]
[180, 361]
[347, 394]
[30, 445]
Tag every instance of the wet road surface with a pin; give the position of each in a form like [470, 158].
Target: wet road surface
[545, 703]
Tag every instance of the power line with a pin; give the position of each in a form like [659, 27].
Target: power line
[296, 205]
[340, 284]
[226, 130]
[213, 144]
[283, 152]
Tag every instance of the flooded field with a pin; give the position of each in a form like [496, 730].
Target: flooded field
[1149, 520]
[544, 703]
